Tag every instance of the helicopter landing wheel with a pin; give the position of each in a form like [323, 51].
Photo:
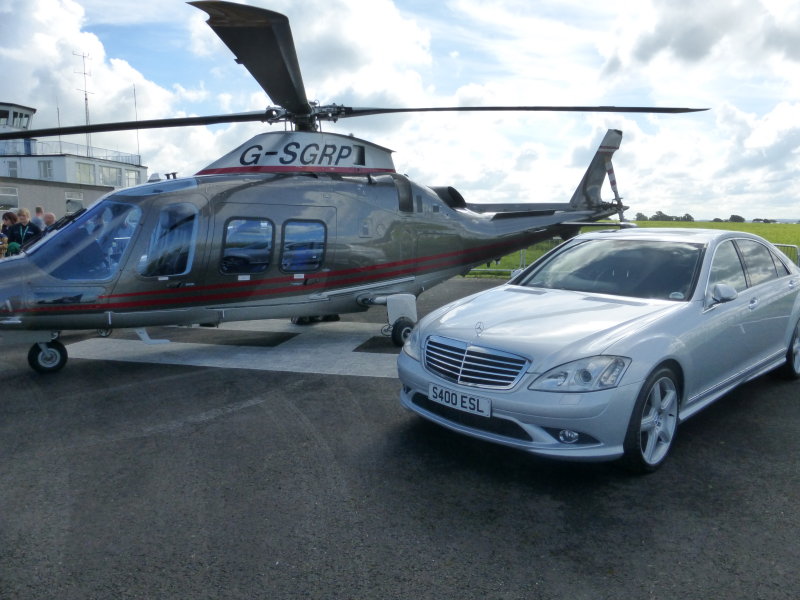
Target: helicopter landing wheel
[301, 320]
[47, 357]
[104, 332]
[401, 330]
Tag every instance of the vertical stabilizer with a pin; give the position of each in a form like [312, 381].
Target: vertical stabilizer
[588, 193]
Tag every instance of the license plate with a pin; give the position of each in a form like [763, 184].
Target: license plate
[462, 401]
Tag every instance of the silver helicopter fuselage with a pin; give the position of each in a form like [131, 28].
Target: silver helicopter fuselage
[287, 225]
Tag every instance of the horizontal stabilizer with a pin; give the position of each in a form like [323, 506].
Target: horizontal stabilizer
[520, 207]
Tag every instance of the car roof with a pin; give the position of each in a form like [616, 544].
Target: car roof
[691, 235]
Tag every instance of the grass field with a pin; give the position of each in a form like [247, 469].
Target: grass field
[777, 233]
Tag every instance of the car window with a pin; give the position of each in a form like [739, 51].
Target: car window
[640, 269]
[727, 268]
[303, 246]
[783, 270]
[172, 243]
[758, 261]
[247, 247]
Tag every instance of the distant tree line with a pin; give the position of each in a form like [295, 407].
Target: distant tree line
[661, 216]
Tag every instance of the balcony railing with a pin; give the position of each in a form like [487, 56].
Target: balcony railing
[37, 148]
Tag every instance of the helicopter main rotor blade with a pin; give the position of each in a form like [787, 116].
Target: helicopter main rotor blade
[268, 115]
[346, 112]
[261, 40]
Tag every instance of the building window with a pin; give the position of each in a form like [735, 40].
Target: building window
[73, 202]
[84, 173]
[132, 177]
[9, 197]
[45, 169]
[111, 176]
[247, 247]
[13, 168]
[303, 246]
[21, 120]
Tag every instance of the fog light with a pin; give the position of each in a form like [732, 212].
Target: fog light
[568, 436]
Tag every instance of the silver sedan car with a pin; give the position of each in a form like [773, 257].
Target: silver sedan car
[599, 350]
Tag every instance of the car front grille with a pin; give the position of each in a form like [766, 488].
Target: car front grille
[468, 364]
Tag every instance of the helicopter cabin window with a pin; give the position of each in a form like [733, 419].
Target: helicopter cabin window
[172, 242]
[247, 247]
[303, 246]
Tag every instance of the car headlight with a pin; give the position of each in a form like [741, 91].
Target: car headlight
[411, 345]
[585, 375]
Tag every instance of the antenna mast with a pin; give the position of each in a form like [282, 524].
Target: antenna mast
[85, 100]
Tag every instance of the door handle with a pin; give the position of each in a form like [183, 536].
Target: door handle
[753, 303]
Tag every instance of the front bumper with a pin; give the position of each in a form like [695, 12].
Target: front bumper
[529, 420]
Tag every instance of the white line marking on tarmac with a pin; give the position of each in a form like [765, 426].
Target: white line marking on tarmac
[321, 348]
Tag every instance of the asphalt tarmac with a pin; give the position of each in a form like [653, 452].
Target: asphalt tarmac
[219, 466]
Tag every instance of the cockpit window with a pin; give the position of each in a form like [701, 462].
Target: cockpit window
[172, 242]
[92, 247]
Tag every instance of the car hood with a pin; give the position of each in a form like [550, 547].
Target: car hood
[538, 323]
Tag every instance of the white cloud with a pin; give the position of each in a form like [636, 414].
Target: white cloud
[741, 59]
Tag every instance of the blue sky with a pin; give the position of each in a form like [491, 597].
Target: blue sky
[741, 58]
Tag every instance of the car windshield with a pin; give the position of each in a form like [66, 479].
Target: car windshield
[665, 270]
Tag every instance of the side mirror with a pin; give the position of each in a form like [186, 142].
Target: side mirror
[515, 273]
[722, 292]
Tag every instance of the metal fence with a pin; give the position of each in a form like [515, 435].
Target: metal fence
[790, 251]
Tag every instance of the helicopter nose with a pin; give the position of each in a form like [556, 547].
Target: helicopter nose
[12, 292]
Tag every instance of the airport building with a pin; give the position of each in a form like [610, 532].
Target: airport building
[61, 177]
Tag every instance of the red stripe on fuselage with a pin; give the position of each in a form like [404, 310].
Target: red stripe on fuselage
[311, 281]
[306, 169]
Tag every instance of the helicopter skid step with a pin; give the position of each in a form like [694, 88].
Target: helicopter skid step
[324, 348]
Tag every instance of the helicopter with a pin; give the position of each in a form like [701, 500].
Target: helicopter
[299, 224]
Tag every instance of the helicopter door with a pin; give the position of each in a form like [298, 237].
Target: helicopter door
[166, 264]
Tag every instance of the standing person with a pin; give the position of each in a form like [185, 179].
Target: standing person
[23, 231]
[49, 219]
[9, 219]
[38, 218]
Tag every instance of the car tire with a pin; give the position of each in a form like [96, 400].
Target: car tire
[653, 423]
[791, 369]
[401, 330]
[48, 357]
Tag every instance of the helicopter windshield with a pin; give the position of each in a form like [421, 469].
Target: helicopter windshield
[91, 247]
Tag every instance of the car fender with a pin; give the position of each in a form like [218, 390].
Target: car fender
[647, 352]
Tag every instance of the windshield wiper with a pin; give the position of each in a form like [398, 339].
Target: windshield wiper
[65, 220]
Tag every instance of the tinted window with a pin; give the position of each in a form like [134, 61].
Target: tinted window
[303, 246]
[172, 243]
[247, 247]
[640, 269]
[758, 261]
[783, 270]
[727, 268]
